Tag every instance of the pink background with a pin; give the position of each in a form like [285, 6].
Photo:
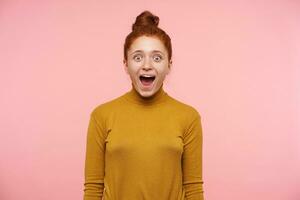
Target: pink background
[237, 62]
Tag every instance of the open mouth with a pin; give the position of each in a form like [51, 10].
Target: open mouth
[147, 80]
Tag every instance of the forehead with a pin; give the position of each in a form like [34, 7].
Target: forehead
[147, 44]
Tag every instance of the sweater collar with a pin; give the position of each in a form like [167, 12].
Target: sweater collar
[135, 97]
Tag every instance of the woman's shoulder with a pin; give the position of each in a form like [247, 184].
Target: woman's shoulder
[183, 107]
[106, 107]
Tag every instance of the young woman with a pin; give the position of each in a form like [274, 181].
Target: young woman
[145, 144]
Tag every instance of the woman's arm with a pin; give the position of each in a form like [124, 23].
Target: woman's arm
[94, 162]
[192, 160]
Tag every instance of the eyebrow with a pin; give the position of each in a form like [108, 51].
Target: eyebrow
[155, 51]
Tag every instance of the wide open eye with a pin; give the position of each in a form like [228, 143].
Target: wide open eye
[137, 57]
[157, 58]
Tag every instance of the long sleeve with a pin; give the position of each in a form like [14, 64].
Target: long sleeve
[94, 162]
[192, 160]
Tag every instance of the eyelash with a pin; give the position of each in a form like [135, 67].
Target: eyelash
[156, 55]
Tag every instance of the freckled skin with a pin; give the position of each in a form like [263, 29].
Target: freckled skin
[151, 59]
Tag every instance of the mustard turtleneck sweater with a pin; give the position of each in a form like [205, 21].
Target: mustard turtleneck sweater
[144, 148]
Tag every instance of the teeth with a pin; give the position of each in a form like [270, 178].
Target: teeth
[145, 75]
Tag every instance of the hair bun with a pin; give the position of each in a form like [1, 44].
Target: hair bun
[146, 18]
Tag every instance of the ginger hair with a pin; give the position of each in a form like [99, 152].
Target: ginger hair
[146, 24]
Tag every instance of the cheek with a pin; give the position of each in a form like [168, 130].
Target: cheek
[162, 74]
[133, 66]
[162, 69]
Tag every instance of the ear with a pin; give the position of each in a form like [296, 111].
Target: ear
[170, 66]
[125, 66]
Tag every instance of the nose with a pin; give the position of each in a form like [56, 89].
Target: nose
[147, 64]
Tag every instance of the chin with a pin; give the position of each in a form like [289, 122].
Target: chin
[146, 93]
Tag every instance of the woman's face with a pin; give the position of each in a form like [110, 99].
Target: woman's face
[147, 56]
